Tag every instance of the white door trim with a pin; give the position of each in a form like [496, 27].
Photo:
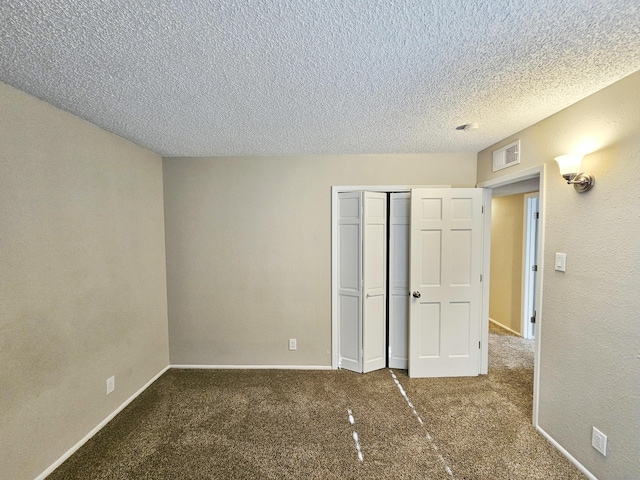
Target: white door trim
[533, 172]
[335, 327]
[529, 259]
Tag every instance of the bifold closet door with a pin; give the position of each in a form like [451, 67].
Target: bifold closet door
[399, 218]
[349, 280]
[362, 280]
[374, 266]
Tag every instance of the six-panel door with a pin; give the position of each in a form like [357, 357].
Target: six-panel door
[445, 267]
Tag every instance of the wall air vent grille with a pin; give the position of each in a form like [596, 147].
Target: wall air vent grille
[506, 156]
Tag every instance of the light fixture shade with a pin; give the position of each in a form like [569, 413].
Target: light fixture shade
[569, 164]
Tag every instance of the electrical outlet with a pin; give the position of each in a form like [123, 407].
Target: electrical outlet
[293, 344]
[599, 441]
[111, 384]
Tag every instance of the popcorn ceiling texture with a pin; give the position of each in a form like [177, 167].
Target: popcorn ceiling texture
[282, 77]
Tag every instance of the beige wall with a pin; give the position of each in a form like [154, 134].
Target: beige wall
[83, 285]
[249, 250]
[590, 328]
[507, 226]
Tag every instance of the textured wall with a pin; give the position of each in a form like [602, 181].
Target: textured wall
[589, 330]
[505, 298]
[83, 285]
[249, 249]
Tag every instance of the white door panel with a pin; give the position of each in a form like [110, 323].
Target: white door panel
[399, 218]
[349, 308]
[374, 246]
[445, 267]
[349, 275]
[362, 284]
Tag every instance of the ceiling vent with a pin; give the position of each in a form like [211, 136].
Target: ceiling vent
[506, 156]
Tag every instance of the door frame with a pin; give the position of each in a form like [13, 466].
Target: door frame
[529, 259]
[526, 174]
[335, 326]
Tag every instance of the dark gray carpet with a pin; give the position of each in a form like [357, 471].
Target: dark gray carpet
[252, 424]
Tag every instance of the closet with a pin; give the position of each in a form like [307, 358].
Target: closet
[373, 239]
[408, 280]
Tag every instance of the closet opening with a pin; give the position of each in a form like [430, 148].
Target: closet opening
[372, 279]
[434, 328]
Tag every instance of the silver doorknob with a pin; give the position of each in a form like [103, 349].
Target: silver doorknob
[417, 294]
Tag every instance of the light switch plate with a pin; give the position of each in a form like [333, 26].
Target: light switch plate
[561, 262]
[599, 441]
[111, 384]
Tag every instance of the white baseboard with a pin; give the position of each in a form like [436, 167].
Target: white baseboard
[99, 427]
[569, 457]
[254, 367]
[506, 328]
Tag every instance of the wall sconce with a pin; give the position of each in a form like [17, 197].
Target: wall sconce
[570, 170]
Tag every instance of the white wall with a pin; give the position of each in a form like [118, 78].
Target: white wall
[249, 249]
[589, 325]
[83, 283]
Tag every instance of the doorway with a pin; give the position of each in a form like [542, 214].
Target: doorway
[509, 181]
[373, 279]
[513, 268]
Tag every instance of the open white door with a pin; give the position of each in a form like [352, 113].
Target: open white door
[399, 217]
[445, 268]
[362, 280]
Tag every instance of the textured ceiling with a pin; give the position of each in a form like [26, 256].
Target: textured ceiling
[287, 77]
